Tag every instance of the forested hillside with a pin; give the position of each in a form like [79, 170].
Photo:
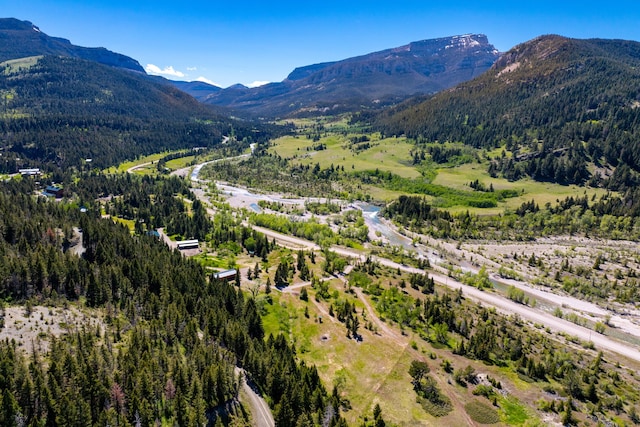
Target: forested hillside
[564, 110]
[172, 335]
[58, 111]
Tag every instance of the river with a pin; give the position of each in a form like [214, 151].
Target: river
[379, 227]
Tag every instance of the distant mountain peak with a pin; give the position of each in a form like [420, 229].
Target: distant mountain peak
[14, 24]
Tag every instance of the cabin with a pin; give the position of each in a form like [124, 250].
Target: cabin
[53, 191]
[188, 244]
[226, 275]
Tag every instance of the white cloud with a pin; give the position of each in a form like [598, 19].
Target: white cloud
[206, 80]
[192, 68]
[257, 83]
[166, 71]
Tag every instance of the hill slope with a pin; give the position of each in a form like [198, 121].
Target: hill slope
[566, 109]
[423, 67]
[20, 39]
[60, 109]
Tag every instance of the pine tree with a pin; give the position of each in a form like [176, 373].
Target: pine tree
[567, 417]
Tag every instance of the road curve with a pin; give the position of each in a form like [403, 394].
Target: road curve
[261, 415]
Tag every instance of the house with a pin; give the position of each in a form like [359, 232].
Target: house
[188, 244]
[226, 275]
[53, 191]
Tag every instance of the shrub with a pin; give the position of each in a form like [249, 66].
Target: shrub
[482, 413]
[437, 408]
[483, 390]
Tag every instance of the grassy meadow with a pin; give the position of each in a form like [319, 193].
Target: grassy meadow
[394, 155]
[375, 370]
[389, 154]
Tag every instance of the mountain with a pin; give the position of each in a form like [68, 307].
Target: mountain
[375, 79]
[565, 110]
[199, 90]
[20, 39]
[62, 104]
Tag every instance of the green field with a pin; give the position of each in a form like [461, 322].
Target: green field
[542, 192]
[390, 154]
[372, 371]
[129, 223]
[123, 167]
[15, 65]
[393, 155]
[180, 163]
[152, 161]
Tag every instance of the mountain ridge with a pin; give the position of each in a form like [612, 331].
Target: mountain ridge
[27, 40]
[366, 81]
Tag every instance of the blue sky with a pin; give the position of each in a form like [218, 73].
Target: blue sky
[239, 41]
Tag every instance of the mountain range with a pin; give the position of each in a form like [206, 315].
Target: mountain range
[372, 80]
[61, 104]
[564, 110]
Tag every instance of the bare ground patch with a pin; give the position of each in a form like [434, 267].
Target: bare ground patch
[32, 328]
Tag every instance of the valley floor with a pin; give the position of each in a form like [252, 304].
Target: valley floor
[547, 308]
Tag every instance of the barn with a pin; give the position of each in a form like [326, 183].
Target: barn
[54, 191]
[187, 244]
[226, 275]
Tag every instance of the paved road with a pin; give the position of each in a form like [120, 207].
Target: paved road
[259, 409]
[491, 299]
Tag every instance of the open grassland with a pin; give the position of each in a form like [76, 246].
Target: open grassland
[15, 65]
[542, 192]
[179, 163]
[375, 370]
[368, 372]
[390, 154]
[333, 123]
[129, 223]
[124, 167]
[359, 153]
